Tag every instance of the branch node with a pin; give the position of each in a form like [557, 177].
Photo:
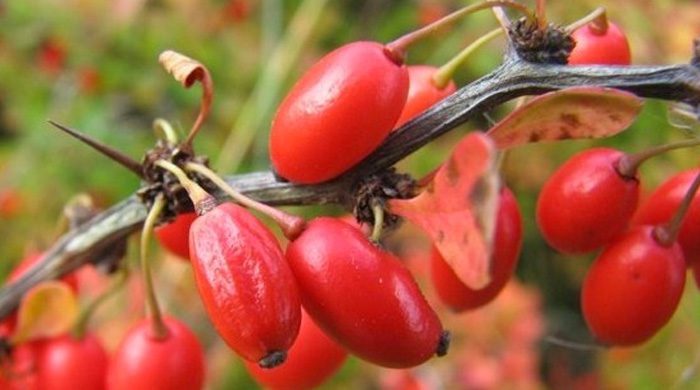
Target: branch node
[375, 190]
[551, 45]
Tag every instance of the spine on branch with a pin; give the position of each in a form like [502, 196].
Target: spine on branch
[511, 80]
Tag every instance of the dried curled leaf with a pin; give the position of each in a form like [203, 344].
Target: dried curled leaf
[578, 112]
[458, 209]
[184, 69]
[48, 309]
[187, 71]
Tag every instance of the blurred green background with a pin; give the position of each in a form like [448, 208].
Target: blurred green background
[92, 65]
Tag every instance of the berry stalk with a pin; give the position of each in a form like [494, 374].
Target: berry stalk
[81, 324]
[667, 234]
[291, 225]
[628, 165]
[398, 47]
[541, 13]
[378, 213]
[203, 202]
[598, 20]
[444, 74]
[162, 126]
[160, 331]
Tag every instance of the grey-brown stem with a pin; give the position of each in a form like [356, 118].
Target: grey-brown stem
[513, 79]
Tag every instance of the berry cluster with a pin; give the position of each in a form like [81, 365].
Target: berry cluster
[295, 314]
[333, 287]
[635, 284]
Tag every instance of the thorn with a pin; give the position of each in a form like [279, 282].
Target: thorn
[124, 160]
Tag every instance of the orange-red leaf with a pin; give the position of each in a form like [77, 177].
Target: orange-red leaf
[578, 112]
[457, 210]
[48, 309]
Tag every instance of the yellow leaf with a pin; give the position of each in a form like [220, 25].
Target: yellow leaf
[48, 309]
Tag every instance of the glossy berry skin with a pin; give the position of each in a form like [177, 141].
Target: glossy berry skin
[143, 362]
[586, 202]
[337, 113]
[313, 358]
[632, 288]
[362, 296]
[245, 283]
[508, 240]
[661, 205]
[67, 363]
[174, 236]
[422, 92]
[596, 48]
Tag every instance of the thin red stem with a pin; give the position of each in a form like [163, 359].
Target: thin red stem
[541, 13]
[204, 108]
[291, 225]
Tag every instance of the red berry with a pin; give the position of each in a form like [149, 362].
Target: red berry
[662, 204]
[66, 363]
[174, 236]
[19, 370]
[312, 359]
[245, 283]
[51, 57]
[11, 202]
[337, 113]
[594, 46]
[506, 249]
[144, 362]
[237, 10]
[422, 92]
[633, 288]
[586, 202]
[89, 80]
[363, 296]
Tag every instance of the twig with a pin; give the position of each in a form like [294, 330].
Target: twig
[511, 80]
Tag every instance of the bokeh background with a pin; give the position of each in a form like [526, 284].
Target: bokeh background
[92, 65]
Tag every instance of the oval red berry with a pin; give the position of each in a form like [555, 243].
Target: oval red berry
[363, 296]
[337, 113]
[245, 283]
